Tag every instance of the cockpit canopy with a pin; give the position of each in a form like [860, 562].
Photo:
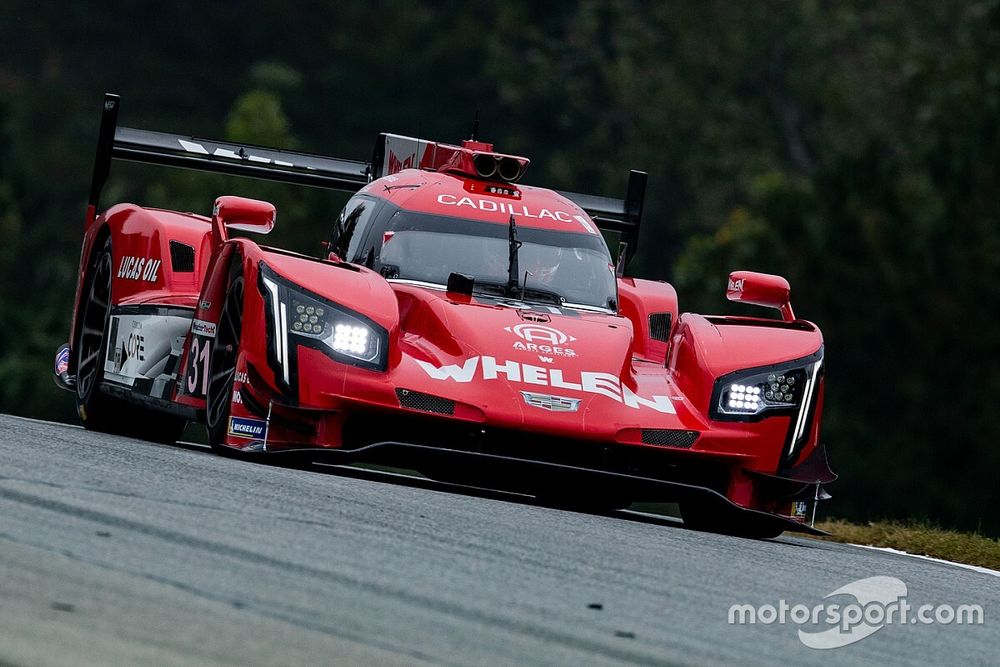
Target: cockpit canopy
[559, 268]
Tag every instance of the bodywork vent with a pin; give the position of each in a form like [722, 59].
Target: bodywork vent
[416, 400]
[669, 437]
[181, 257]
[659, 326]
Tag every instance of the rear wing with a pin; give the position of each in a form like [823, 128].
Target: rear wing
[621, 216]
[392, 153]
[172, 150]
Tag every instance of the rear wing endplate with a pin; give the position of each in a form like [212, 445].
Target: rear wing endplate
[124, 143]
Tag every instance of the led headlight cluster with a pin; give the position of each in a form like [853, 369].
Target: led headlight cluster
[751, 395]
[350, 339]
[309, 320]
[784, 389]
[743, 397]
[296, 317]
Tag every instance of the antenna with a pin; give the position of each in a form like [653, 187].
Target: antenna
[475, 127]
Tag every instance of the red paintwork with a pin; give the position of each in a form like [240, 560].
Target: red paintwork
[432, 327]
[450, 194]
[242, 214]
[761, 289]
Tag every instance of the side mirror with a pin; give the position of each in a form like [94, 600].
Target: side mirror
[242, 214]
[761, 289]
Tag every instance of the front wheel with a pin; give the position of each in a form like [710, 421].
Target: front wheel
[222, 367]
[96, 410]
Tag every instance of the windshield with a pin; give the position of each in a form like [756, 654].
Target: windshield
[563, 268]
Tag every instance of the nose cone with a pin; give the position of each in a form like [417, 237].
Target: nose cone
[568, 340]
[567, 372]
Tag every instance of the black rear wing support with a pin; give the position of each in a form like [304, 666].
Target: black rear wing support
[123, 143]
[617, 215]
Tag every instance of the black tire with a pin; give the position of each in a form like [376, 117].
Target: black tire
[222, 366]
[98, 411]
[699, 517]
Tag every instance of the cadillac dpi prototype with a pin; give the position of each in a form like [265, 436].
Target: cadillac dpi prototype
[457, 323]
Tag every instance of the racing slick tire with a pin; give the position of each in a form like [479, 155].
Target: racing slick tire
[97, 410]
[222, 366]
[699, 517]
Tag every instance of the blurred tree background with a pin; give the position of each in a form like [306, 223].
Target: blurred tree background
[850, 146]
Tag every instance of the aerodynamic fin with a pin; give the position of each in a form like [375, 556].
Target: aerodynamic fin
[226, 157]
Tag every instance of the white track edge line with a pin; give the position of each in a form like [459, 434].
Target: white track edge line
[964, 566]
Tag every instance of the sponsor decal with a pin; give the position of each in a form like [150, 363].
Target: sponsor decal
[603, 384]
[204, 305]
[539, 338]
[139, 268]
[241, 154]
[62, 361]
[203, 328]
[247, 427]
[398, 164]
[241, 377]
[237, 398]
[545, 360]
[735, 285]
[136, 347]
[507, 208]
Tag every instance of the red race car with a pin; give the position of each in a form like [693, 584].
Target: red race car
[458, 323]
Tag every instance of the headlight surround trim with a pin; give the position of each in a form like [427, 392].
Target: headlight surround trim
[282, 296]
[806, 369]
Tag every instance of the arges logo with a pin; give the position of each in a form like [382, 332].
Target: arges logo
[540, 338]
[540, 333]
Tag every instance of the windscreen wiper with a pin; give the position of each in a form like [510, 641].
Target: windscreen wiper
[532, 293]
[513, 245]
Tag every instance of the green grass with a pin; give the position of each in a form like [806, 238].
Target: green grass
[918, 538]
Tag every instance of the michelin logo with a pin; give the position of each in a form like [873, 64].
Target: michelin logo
[245, 427]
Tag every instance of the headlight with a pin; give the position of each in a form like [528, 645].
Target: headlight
[753, 393]
[298, 317]
[783, 389]
[343, 333]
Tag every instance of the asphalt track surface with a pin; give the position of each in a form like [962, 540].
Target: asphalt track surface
[118, 551]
